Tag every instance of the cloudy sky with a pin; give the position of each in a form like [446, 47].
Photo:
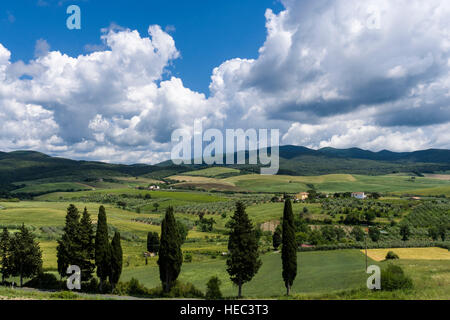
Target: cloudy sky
[372, 74]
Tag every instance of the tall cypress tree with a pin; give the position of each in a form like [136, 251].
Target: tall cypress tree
[87, 236]
[170, 255]
[69, 246]
[153, 242]
[289, 247]
[5, 250]
[116, 259]
[243, 259]
[102, 248]
[276, 238]
[26, 255]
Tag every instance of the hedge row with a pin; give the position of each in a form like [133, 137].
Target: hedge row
[379, 245]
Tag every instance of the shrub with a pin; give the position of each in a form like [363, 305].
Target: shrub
[45, 281]
[90, 286]
[121, 289]
[106, 288]
[405, 232]
[65, 295]
[358, 233]
[374, 234]
[379, 245]
[131, 288]
[188, 257]
[391, 255]
[301, 238]
[394, 278]
[213, 289]
[185, 290]
[135, 288]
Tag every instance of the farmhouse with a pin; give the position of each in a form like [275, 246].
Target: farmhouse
[359, 195]
[302, 196]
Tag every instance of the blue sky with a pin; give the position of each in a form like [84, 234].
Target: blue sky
[372, 74]
[206, 32]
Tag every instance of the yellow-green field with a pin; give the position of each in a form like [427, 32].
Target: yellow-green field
[336, 183]
[202, 182]
[37, 214]
[411, 254]
[394, 183]
[436, 191]
[212, 172]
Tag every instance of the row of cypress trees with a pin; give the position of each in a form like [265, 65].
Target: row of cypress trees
[81, 246]
[77, 247]
[243, 261]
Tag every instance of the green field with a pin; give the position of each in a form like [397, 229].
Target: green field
[212, 172]
[431, 280]
[41, 216]
[398, 184]
[336, 183]
[319, 272]
[433, 191]
[174, 195]
[52, 187]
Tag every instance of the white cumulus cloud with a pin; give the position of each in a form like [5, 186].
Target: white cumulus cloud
[346, 73]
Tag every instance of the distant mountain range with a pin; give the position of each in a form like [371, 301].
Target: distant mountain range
[29, 165]
[425, 156]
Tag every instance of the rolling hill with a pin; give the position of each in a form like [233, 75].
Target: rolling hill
[25, 166]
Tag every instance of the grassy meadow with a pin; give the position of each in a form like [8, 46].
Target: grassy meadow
[398, 184]
[335, 183]
[318, 272]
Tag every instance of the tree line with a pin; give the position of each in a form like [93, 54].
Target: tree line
[243, 261]
[81, 246]
[91, 250]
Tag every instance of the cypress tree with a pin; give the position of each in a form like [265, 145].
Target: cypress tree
[69, 246]
[289, 247]
[102, 248]
[442, 231]
[243, 259]
[26, 255]
[213, 289]
[276, 238]
[87, 236]
[170, 255]
[153, 242]
[116, 259]
[5, 248]
[405, 232]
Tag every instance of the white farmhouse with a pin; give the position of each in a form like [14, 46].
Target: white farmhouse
[359, 195]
